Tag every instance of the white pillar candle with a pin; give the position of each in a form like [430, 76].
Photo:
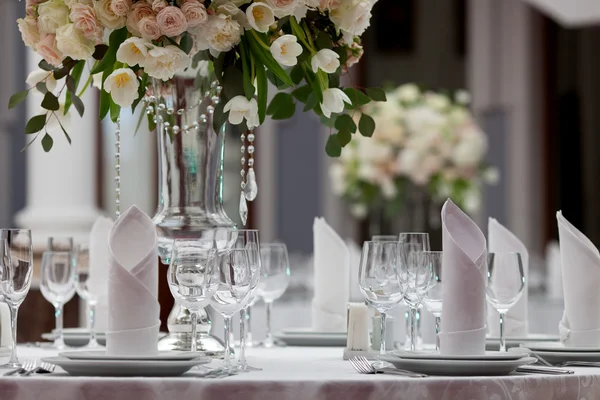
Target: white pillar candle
[358, 327]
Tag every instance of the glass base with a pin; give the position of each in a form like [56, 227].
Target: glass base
[210, 345]
[247, 368]
[271, 344]
[381, 364]
[11, 365]
[92, 346]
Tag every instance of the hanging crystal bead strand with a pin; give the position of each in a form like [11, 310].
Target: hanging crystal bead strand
[243, 205]
[118, 168]
[251, 189]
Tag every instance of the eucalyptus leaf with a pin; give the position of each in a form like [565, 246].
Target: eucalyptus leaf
[303, 93]
[376, 94]
[333, 147]
[50, 102]
[17, 98]
[186, 43]
[282, 106]
[47, 142]
[100, 51]
[41, 87]
[278, 83]
[357, 97]
[46, 66]
[35, 124]
[311, 102]
[297, 74]
[366, 125]
[345, 122]
[78, 104]
[63, 129]
[344, 137]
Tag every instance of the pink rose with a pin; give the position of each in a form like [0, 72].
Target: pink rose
[172, 21]
[121, 7]
[329, 4]
[149, 28]
[47, 49]
[195, 13]
[29, 31]
[84, 18]
[159, 5]
[140, 10]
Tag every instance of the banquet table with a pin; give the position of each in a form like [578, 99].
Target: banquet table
[298, 373]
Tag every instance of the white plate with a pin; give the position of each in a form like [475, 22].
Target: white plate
[489, 355]
[458, 367]
[532, 337]
[160, 356]
[556, 357]
[557, 346]
[125, 368]
[297, 337]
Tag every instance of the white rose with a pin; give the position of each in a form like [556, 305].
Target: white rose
[218, 3]
[134, 51]
[52, 15]
[437, 101]
[260, 16]
[230, 9]
[333, 101]
[327, 60]
[241, 108]
[286, 49]
[359, 210]
[283, 8]
[72, 43]
[470, 149]
[123, 86]
[40, 75]
[352, 17]
[408, 93]
[164, 62]
[220, 33]
[106, 15]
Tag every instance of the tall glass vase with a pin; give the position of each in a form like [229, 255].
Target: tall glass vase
[190, 189]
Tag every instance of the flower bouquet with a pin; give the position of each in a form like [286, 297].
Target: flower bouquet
[423, 139]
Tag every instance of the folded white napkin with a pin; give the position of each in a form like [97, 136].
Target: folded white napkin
[332, 279]
[99, 266]
[501, 240]
[355, 253]
[465, 266]
[133, 286]
[580, 259]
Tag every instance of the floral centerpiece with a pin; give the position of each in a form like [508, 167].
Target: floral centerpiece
[423, 140]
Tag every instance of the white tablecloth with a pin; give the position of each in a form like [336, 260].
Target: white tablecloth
[297, 373]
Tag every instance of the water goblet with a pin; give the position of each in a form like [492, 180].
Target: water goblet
[274, 280]
[16, 270]
[86, 291]
[433, 297]
[385, 238]
[57, 284]
[505, 284]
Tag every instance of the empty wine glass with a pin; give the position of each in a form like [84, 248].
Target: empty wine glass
[83, 289]
[433, 297]
[235, 286]
[57, 284]
[505, 284]
[384, 238]
[193, 277]
[378, 280]
[16, 270]
[274, 280]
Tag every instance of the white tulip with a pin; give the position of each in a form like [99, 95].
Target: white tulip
[286, 50]
[40, 75]
[134, 51]
[333, 101]
[239, 108]
[123, 86]
[164, 62]
[97, 80]
[260, 16]
[327, 60]
[237, 15]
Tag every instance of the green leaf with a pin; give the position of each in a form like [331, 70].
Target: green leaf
[151, 123]
[278, 83]
[76, 73]
[302, 93]
[297, 74]
[249, 89]
[114, 41]
[357, 97]
[35, 124]
[219, 65]
[282, 106]
[266, 58]
[324, 41]
[329, 122]
[263, 92]
[63, 129]
[17, 98]
[366, 125]
[73, 83]
[334, 80]
[219, 117]
[78, 104]
[42, 88]
[233, 82]
[63, 71]
[47, 142]
[376, 94]
[343, 53]
[186, 43]
[333, 147]
[344, 137]
[105, 96]
[50, 102]
[313, 81]
[141, 93]
[311, 102]
[346, 123]
[46, 66]
[100, 52]
[115, 111]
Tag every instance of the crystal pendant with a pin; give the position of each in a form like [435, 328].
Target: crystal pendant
[251, 188]
[243, 208]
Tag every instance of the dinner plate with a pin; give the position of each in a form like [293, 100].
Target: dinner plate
[306, 337]
[489, 355]
[457, 367]
[125, 367]
[558, 346]
[493, 342]
[161, 355]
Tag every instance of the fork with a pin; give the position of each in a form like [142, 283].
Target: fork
[27, 366]
[363, 366]
[44, 368]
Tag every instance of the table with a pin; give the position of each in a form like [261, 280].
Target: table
[297, 373]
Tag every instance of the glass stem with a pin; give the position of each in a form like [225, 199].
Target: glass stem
[438, 319]
[14, 311]
[243, 339]
[194, 317]
[269, 340]
[58, 339]
[249, 326]
[502, 341]
[226, 325]
[93, 341]
[413, 328]
[382, 334]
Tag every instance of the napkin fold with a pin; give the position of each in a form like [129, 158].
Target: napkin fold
[465, 266]
[580, 260]
[331, 279]
[99, 266]
[133, 286]
[501, 240]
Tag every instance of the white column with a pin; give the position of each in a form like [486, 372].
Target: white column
[61, 184]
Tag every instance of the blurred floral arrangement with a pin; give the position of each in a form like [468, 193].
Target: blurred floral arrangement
[424, 140]
[301, 44]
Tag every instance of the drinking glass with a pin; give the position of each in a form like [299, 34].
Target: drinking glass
[193, 277]
[83, 289]
[248, 239]
[16, 270]
[274, 280]
[419, 240]
[235, 285]
[433, 297]
[505, 284]
[57, 284]
[384, 238]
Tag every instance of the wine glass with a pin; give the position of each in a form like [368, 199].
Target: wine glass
[235, 286]
[378, 280]
[433, 297]
[505, 284]
[274, 280]
[193, 277]
[83, 289]
[16, 270]
[384, 238]
[57, 285]
[248, 239]
[419, 239]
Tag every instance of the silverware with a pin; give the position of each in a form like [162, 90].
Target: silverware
[579, 364]
[539, 369]
[363, 366]
[28, 365]
[540, 359]
[44, 368]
